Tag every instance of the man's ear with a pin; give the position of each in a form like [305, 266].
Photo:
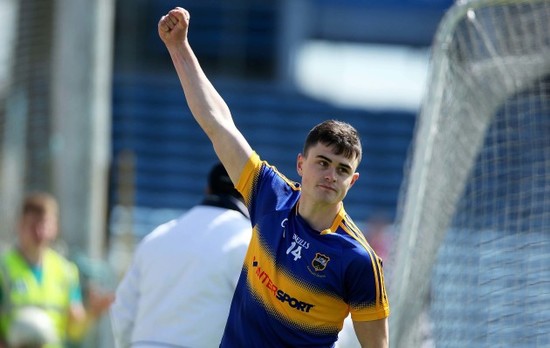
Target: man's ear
[354, 178]
[299, 164]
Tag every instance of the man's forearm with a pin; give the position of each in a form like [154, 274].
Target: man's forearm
[210, 110]
[207, 106]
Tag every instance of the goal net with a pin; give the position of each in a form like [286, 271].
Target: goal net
[471, 266]
[26, 40]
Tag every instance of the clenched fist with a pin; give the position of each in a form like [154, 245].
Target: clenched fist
[173, 26]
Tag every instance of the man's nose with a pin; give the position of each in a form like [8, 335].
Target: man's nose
[330, 174]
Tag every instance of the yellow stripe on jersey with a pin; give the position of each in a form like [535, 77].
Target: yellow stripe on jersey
[248, 179]
[289, 299]
[381, 305]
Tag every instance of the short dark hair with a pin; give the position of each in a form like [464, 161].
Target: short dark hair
[340, 135]
[220, 183]
[40, 204]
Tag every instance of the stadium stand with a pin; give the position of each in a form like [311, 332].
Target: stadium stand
[237, 40]
[151, 119]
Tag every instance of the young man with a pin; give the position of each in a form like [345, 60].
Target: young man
[308, 265]
[34, 275]
[178, 289]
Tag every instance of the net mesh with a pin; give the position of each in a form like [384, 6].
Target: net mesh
[471, 262]
[25, 161]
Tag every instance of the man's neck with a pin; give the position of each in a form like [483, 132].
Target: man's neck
[318, 216]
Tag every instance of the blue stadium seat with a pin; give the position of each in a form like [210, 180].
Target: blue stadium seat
[151, 119]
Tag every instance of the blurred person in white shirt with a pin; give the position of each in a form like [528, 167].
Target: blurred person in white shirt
[178, 289]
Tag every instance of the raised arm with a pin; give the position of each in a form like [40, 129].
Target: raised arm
[207, 106]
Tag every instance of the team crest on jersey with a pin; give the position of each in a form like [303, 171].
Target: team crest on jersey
[320, 262]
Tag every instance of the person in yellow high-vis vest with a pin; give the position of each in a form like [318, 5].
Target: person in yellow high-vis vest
[34, 275]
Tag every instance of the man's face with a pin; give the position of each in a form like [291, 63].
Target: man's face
[37, 231]
[326, 177]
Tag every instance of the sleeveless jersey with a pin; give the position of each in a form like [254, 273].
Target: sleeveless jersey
[297, 284]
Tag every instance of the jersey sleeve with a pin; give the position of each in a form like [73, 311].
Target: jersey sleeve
[367, 295]
[264, 188]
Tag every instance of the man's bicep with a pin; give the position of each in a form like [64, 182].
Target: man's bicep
[372, 334]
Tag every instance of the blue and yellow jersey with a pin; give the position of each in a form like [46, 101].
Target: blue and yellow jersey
[298, 284]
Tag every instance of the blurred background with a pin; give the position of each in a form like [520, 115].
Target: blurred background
[92, 111]
[282, 66]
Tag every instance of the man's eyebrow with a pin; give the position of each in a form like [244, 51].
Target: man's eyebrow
[330, 161]
[324, 158]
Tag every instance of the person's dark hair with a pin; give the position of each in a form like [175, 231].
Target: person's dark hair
[340, 135]
[222, 192]
[220, 183]
[40, 203]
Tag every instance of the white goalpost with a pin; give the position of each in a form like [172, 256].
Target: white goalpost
[471, 267]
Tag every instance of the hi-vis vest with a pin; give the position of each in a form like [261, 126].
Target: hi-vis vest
[21, 288]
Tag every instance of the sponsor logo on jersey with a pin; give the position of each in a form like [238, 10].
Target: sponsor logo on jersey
[320, 262]
[280, 294]
[300, 241]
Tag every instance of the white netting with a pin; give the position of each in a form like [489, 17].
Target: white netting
[26, 40]
[471, 263]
